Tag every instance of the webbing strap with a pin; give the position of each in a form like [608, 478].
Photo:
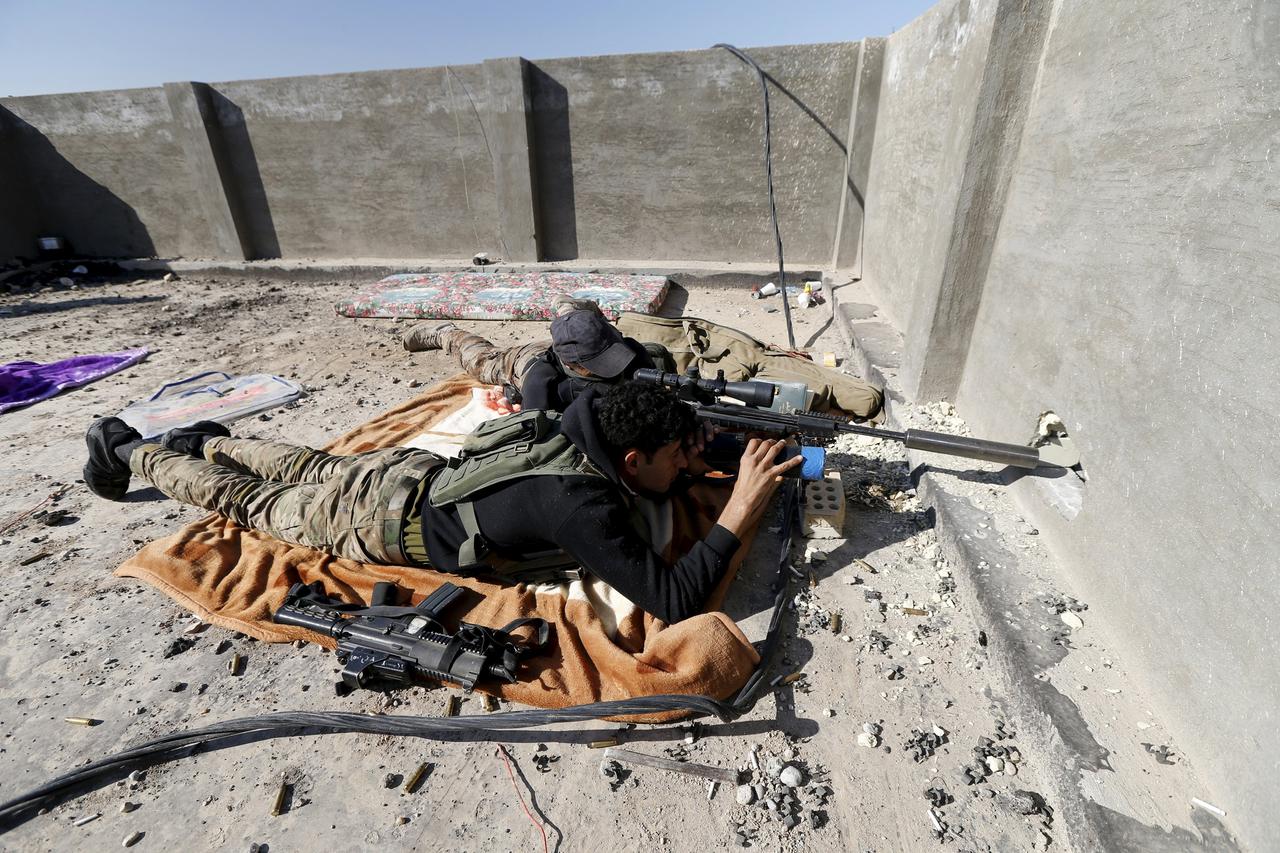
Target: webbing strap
[473, 548]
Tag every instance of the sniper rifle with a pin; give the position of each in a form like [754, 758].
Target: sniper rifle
[386, 644]
[751, 414]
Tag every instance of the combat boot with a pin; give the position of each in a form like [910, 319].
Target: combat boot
[190, 440]
[106, 474]
[563, 303]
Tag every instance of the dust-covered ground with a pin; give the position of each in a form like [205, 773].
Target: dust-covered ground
[938, 763]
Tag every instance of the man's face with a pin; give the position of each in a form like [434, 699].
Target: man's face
[654, 475]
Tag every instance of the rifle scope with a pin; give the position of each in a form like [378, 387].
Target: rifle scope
[752, 393]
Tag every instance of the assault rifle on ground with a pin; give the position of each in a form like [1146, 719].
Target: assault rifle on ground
[753, 415]
[386, 644]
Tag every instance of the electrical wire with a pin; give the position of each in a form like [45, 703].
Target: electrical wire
[501, 752]
[768, 172]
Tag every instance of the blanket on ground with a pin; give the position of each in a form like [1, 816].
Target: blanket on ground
[605, 648]
[25, 382]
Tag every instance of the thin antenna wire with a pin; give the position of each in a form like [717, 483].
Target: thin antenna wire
[768, 171]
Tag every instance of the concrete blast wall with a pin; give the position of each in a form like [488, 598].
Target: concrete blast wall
[649, 156]
[1072, 206]
[667, 152]
[105, 170]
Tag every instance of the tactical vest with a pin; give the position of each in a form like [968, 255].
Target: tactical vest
[524, 444]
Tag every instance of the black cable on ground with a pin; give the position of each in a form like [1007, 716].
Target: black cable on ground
[768, 172]
[292, 723]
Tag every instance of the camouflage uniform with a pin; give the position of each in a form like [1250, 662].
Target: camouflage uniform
[491, 364]
[349, 506]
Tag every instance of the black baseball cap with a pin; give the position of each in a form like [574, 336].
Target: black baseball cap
[587, 338]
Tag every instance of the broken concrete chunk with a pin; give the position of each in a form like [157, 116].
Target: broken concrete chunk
[745, 795]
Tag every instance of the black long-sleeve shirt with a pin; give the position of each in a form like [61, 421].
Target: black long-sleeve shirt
[590, 518]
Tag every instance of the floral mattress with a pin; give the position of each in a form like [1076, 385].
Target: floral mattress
[501, 295]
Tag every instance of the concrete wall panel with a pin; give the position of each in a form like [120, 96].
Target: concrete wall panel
[377, 164]
[107, 173]
[17, 202]
[928, 93]
[861, 140]
[1133, 290]
[660, 155]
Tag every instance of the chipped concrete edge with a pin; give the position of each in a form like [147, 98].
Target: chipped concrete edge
[694, 272]
[991, 594]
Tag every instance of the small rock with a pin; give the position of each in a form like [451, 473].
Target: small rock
[178, 646]
[402, 820]
[791, 821]
[132, 839]
[177, 687]
[223, 645]
[1071, 620]
[745, 795]
[791, 776]
[828, 712]
[127, 807]
[995, 765]
[868, 740]
[171, 276]
[923, 661]
[1010, 769]
[739, 839]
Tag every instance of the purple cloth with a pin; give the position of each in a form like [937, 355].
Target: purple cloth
[25, 382]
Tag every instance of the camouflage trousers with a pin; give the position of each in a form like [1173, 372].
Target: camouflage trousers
[489, 363]
[348, 506]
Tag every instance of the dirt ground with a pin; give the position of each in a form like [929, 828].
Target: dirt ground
[76, 641]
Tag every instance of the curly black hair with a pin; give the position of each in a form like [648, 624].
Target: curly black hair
[643, 416]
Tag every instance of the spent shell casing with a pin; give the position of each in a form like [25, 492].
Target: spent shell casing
[411, 784]
[82, 721]
[233, 665]
[836, 620]
[452, 706]
[490, 703]
[603, 744]
[278, 808]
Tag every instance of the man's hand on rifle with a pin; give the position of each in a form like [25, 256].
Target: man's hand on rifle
[758, 478]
